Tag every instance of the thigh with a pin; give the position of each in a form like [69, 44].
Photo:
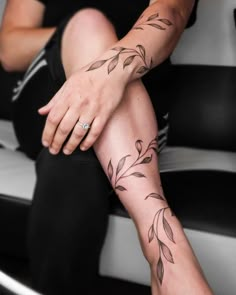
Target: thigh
[32, 92]
[41, 81]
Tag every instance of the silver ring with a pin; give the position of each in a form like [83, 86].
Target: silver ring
[85, 126]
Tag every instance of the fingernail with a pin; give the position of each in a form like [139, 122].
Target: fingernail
[83, 148]
[45, 143]
[66, 152]
[52, 151]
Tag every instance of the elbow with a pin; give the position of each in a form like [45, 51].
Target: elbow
[7, 59]
[181, 15]
[179, 18]
[10, 61]
[6, 63]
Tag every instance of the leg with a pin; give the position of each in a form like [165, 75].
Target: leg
[71, 194]
[130, 162]
[28, 96]
[68, 223]
[138, 186]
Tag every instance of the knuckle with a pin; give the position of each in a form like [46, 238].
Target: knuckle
[77, 133]
[85, 102]
[53, 118]
[94, 134]
[63, 130]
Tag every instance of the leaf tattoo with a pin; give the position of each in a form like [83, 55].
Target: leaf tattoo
[155, 196]
[117, 174]
[121, 164]
[113, 61]
[155, 22]
[153, 232]
[138, 145]
[168, 229]
[142, 158]
[110, 170]
[160, 270]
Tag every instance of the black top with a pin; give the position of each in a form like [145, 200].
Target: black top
[122, 13]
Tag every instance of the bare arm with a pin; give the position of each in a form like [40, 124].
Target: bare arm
[21, 35]
[150, 41]
[146, 45]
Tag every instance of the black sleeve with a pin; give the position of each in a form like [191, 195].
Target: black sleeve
[193, 16]
[43, 1]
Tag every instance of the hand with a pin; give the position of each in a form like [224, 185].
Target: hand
[86, 97]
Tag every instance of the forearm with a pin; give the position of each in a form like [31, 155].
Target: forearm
[19, 46]
[150, 41]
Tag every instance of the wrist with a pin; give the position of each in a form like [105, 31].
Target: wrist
[123, 63]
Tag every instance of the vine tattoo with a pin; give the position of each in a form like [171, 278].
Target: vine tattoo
[116, 175]
[158, 221]
[141, 159]
[114, 60]
[140, 52]
[155, 22]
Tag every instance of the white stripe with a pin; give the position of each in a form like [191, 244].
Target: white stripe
[174, 159]
[162, 140]
[14, 286]
[163, 130]
[166, 116]
[41, 53]
[25, 81]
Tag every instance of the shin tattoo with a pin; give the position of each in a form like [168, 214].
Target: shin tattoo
[119, 173]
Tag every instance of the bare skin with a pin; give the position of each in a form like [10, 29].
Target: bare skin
[106, 92]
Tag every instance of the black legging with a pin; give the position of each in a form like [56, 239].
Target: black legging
[68, 223]
[69, 214]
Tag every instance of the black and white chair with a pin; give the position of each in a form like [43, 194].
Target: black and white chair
[198, 167]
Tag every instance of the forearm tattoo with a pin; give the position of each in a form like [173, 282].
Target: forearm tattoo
[113, 61]
[119, 173]
[140, 52]
[153, 21]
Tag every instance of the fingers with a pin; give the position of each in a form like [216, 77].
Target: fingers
[53, 120]
[78, 101]
[94, 132]
[63, 130]
[81, 128]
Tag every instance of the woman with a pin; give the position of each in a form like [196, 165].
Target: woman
[96, 117]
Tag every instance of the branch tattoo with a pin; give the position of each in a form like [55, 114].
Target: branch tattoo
[140, 52]
[116, 175]
[153, 21]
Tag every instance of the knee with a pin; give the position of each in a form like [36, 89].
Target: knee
[91, 20]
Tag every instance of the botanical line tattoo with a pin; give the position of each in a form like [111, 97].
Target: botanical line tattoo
[113, 61]
[158, 221]
[116, 175]
[153, 21]
[142, 158]
[140, 52]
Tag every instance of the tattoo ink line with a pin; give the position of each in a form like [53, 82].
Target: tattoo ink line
[155, 22]
[114, 60]
[158, 222]
[141, 159]
[153, 232]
